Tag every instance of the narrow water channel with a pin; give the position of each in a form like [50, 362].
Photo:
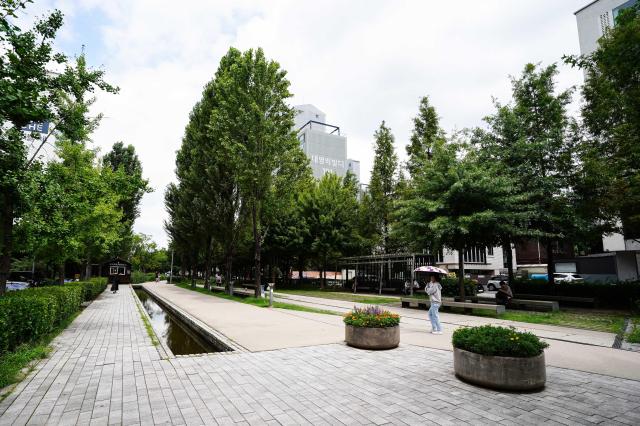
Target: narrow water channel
[172, 331]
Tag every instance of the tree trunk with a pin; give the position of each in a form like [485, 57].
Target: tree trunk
[87, 271]
[300, 269]
[506, 247]
[207, 264]
[273, 275]
[385, 239]
[461, 271]
[257, 249]
[551, 267]
[227, 273]
[61, 273]
[6, 240]
[287, 267]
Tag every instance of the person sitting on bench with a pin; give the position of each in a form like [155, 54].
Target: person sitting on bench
[504, 294]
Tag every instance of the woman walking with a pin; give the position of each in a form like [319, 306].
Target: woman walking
[434, 290]
[115, 284]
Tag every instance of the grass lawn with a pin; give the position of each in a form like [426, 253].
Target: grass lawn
[348, 297]
[589, 320]
[611, 322]
[258, 301]
[16, 365]
[634, 335]
[147, 325]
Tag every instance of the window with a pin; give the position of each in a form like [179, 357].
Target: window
[113, 270]
[490, 251]
[121, 270]
[475, 255]
[620, 8]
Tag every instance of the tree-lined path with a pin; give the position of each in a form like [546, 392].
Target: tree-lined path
[105, 370]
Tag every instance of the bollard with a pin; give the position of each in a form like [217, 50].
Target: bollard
[270, 294]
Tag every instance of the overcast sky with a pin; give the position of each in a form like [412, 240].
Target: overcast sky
[360, 62]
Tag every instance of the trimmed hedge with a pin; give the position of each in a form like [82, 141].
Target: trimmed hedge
[498, 341]
[92, 288]
[138, 277]
[619, 295]
[27, 315]
[450, 287]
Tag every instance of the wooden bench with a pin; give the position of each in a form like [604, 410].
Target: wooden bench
[542, 305]
[571, 299]
[425, 303]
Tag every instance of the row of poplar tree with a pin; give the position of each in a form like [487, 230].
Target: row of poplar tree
[77, 207]
[245, 197]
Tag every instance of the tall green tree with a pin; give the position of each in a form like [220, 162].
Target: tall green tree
[145, 254]
[24, 87]
[76, 218]
[458, 202]
[531, 140]
[610, 151]
[382, 186]
[29, 92]
[426, 132]
[328, 211]
[131, 187]
[255, 124]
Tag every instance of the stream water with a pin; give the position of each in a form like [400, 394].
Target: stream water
[175, 333]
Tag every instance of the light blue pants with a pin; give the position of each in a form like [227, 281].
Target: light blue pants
[434, 318]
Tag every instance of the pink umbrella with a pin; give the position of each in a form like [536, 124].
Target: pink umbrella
[432, 269]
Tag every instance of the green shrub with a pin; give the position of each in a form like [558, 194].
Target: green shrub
[371, 316]
[90, 289]
[616, 295]
[27, 315]
[498, 341]
[450, 287]
[138, 277]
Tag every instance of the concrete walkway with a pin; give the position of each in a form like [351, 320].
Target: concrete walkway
[267, 329]
[579, 349]
[569, 334]
[256, 329]
[104, 370]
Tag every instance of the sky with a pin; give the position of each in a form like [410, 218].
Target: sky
[361, 62]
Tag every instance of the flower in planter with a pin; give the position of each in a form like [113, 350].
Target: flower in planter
[371, 316]
[498, 341]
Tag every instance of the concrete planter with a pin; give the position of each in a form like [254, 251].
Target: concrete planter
[500, 372]
[372, 338]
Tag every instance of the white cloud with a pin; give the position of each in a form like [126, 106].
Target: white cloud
[359, 61]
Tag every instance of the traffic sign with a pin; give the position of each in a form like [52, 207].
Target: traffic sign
[40, 127]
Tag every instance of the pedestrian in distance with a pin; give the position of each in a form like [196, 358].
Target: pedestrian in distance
[434, 290]
[115, 284]
[504, 294]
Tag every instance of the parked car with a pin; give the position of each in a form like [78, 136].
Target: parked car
[17, 285]
[494, 282]
[565, 277]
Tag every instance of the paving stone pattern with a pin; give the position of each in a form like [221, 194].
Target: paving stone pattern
[104, 370]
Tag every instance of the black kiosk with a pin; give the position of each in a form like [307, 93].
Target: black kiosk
[118, 269]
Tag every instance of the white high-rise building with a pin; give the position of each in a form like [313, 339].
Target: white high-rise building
[595, 19]
[323, 143]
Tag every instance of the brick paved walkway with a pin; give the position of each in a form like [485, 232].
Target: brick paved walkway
[104, 370]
